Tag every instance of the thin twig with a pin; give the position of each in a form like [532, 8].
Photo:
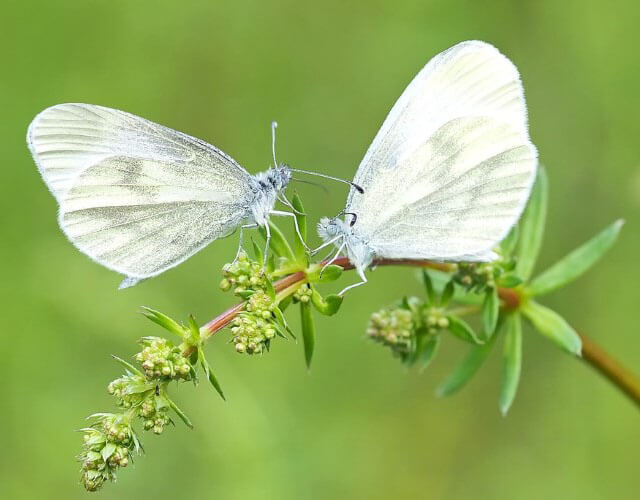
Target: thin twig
[593, 354]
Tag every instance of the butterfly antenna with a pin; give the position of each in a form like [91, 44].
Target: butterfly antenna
[317, 184]
[274, 126]
[352, 184]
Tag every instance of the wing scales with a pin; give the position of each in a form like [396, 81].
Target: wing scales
[456, 196]
[141, 217]
[67, 138]
[470, 79]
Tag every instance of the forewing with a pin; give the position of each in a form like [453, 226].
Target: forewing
[67, 138]
[455, 197]
[141, 217]
[470, 79]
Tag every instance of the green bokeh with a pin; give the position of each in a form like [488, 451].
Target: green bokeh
[358, 425]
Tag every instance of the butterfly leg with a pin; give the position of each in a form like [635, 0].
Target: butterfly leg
[325, 244]
[295, 223]
[335, 256]
[364, 280]
[241, 237]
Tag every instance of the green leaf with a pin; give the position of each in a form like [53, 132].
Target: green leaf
[447, 294]
[510, 281]
[466, 369]
[286, 302]
[278, 243]
[128, 365]
[428, 285]
[108, 450]
[301, 218]
[180, 413]
[281, 321]
[532, 226]
[257, 252]
[428, 350]
[209, 373]
[194, 331]
[271, 292]
[577, 262]
[331, 273]
[462, 330]
[508, 244]
[490, 310]
[164, 321]
[308, 332]
[552, 325]
[511, 361]
[440, 280]
[328, 305]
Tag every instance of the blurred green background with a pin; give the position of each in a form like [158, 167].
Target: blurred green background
[358, 425]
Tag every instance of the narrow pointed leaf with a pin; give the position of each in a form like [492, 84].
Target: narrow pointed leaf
[278, 243]
[447, 294]
[429, 351]
[490, 310]
[271, 292]
[308, 332]
[180, 413]
[428, 285]
[127, 365]
[462, 330]
[550, 324]
[209, 373]
[163, 320]
[301, 218]
[511, 361]
[194, 331]
[577, 262]
[466, 369]
[440, 280]
[532, 226]
[508, 244]
[281, 321]
[510, 281]
[257, 251]
[108, 450]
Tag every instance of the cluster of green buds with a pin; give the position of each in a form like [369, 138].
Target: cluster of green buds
[242, 275]
[393, 328]
[434, 319]
[162, 360]
[123, 389]
[108, 445]
[254, 328]
[154, 411]
[303, 294]
[480, 276]
[250, 334]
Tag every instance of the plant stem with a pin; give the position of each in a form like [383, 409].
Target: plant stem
[593, 354]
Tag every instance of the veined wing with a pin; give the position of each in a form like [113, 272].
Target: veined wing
[141, 217]
[470, 79]
[67, 138]
[455, 197]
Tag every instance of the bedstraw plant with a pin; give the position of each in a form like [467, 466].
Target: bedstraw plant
[481, 304]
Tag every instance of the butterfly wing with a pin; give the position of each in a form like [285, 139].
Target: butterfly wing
[451, 168]
[135, 196]
[67, 138]
[470, 78]
[141, 217]
[455, 197]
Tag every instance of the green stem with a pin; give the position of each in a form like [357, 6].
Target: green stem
[592, 354]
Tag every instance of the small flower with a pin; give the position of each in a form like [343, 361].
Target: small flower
[393, 328]
[160, 359]
[478, 276]
[243, 274]
[303, 294]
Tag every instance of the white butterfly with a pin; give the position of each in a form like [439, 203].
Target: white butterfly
[140, 198]
[449, 172]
